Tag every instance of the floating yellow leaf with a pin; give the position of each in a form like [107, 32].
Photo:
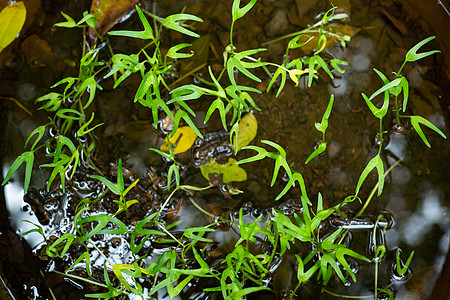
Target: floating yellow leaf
[248, 126]
[231, 171]
[182, 140]
[12, 19]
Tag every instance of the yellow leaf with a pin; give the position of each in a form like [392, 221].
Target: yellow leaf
[182, 140]
[293, 74]
[12, 19]
[230, 171]
[248, 126]
[127, 204]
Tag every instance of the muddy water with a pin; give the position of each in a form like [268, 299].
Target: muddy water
[416, 195]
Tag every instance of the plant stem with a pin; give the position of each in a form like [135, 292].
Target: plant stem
[381, 136]
[231, 38]
[80, 278]
[376, 281]
[397, 114]
[345, 296]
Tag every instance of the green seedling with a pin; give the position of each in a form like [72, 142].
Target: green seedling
[243, 271]
[401, 267]
[322, 127]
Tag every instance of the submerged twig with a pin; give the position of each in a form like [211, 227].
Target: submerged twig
[17, 102]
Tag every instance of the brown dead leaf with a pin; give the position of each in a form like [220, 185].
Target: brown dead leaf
[396, 22]
[108, 13]
[37, 51]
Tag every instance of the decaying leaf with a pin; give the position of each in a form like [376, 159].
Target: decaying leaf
[230, 171]
[248, 126]
[182, 140]
[108, 13]
[12, 18]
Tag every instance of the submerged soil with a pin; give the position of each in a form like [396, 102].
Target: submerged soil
[415, 199]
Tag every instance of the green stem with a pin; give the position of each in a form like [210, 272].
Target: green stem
[80, 278]
[381, 136]
[345, 296]
[397, 112]
[171, 235]
[376, 281]
[231, 38]
[399, 70]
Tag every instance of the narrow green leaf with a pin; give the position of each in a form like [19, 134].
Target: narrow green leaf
[71, 114]
[322, 147]
[400, 267]
[238, 12]
[54, 101]
[28, 158]
[232, 63]
[340, 252]
[173, 51]
[279, 72]
[128, 269]
[412, 55]
[335, 64]
[294, 43]
[405, 88]
[382, 76]
[326, 260]
[276, 146]
[416, 120]
[40, 131]
[296, 177]
[321, 43]
[117, 188]
[173, 21]
[81, 131]
[217, 104]
[89, 19]
[146, 34]
[375, 162]
[69, 80]
[280, 161]
[187, 92]
[173, 169]
[322, 127]
[316, 59]
[70, 23]
[262, 153]
[52, 250]
[86, 255]
[386, 87]
[189, 233]
[59, 167]
[303, 276]
[378, 112]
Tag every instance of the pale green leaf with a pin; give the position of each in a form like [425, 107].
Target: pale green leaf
[230, 170]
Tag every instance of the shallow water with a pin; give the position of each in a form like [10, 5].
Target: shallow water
[416, 193]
